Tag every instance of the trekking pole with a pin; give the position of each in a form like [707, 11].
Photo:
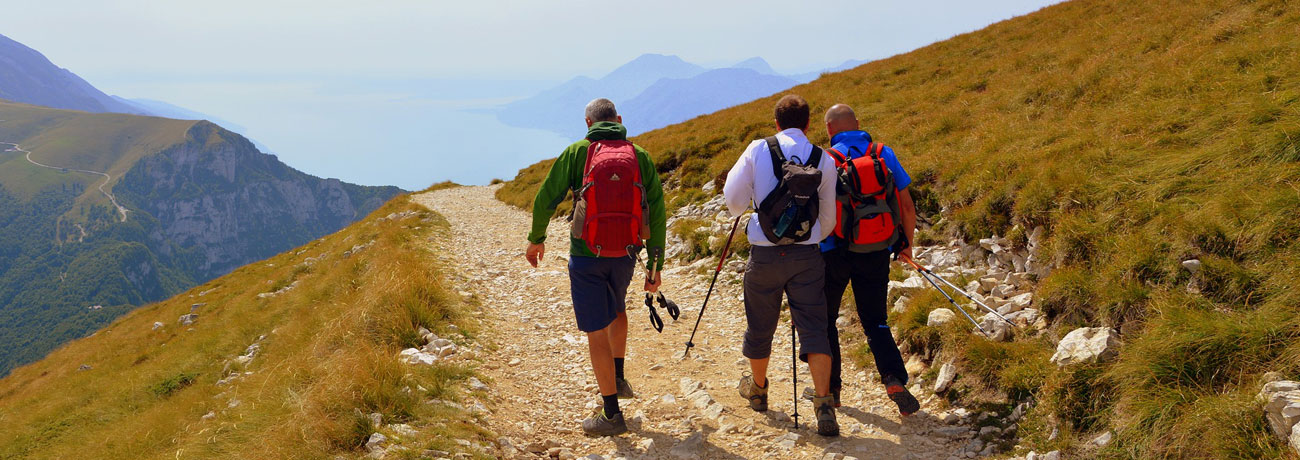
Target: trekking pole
[922, 271]
[973, 299]
[964, 293]
[690, 343]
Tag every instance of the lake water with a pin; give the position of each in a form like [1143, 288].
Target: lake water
[405, 132]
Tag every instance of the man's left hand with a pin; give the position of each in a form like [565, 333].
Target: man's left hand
[652, 285]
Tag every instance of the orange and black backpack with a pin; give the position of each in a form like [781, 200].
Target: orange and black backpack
[867, 217]
[609, 208]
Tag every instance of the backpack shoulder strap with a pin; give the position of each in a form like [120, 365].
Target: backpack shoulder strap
[835, 154]
[774, 149]
[592, 148]
[636, 157]
[815, 156]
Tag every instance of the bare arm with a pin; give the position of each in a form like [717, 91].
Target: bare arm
[908, 211]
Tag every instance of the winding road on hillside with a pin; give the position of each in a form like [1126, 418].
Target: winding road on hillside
[107, 177]
[541, 385]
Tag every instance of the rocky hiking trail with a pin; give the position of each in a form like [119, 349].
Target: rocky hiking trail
[540, 386]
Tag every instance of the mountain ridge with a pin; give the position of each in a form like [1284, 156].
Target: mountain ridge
[200, 201]
[640, 89]
[28, 76]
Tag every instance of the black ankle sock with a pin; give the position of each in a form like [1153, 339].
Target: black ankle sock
[618, 368]
[764, 385]
[611, 405]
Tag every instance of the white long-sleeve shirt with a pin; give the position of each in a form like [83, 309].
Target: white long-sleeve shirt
[751, 179]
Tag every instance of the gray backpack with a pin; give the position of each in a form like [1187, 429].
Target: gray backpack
[788, 213]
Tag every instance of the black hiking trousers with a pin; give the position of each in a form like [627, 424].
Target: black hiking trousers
[869, 274]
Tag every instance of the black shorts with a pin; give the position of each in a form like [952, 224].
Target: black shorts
[599, 289]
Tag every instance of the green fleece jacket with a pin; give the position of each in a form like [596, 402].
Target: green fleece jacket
[566, 174]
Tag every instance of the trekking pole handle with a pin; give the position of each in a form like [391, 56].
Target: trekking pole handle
[918, 267]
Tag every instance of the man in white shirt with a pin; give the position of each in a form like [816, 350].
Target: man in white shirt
[795, 268]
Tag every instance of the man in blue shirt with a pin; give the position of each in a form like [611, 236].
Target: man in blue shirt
[868, 272]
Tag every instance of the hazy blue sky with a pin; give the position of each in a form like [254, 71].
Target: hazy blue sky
[384, 92]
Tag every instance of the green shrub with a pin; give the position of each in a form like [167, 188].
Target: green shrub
[173, 384]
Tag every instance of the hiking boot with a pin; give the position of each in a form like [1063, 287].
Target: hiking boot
[624, 389]
[810, 393]
[907, 404]
[825, 410]
[749, 390]
[600, 425]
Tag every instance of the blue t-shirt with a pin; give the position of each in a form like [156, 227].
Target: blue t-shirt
[854, 144]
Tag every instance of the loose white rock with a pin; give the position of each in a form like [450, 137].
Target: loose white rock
[477, 385]
[1281, 401]
[1102, 439]
[690, 447]
[939, 317]
[376, 442]
[1017, 303]
[997, 329]
[1295, 438]
[1087, 344]
[947, 373]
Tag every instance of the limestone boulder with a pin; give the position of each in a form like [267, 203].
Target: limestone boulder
[1087, 345]
[939, 317]
[1281, 401]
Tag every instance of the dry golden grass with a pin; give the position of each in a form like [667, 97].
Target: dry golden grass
[329, 356]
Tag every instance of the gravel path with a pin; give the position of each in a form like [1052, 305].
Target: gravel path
[542, 385]
[107, 178]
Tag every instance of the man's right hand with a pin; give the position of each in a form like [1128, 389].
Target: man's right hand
[535, 253]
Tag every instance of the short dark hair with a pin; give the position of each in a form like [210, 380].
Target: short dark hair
[792, 112]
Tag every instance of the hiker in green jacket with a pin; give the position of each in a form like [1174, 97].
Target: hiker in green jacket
[619, 209]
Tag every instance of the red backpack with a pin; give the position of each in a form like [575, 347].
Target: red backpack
[867, 216]
[609, 208]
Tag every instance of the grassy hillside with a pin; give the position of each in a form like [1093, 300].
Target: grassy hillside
[105, 142]
[1139, 134]
[328, 354]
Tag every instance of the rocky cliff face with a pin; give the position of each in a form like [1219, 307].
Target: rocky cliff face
[199, 208]
[219, 203]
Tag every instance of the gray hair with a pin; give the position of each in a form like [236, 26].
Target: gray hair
[601, 109]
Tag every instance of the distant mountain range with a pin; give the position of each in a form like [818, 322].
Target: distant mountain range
[653, 91]
[27, 76]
